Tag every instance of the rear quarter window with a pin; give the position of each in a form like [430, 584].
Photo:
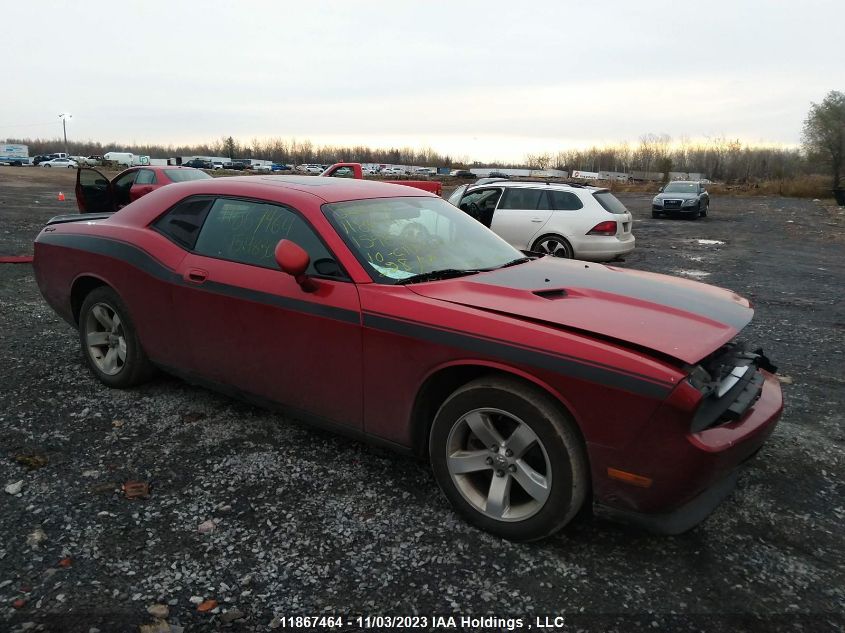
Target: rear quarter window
[565, 201]
[183, 222]
[609, 202]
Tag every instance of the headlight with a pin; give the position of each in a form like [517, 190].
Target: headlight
[657, 201]
[690, 203]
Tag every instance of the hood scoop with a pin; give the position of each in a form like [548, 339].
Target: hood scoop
[551, 294]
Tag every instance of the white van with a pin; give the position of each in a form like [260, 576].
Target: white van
[121, 158]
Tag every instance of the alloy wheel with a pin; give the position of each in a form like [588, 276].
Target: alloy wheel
[499, 464]
[105, 339]
[554, 246]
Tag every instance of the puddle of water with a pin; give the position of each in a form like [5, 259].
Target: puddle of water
[710, 242]
[695, 258]
[695, 274]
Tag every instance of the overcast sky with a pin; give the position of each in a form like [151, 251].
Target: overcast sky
[486, 80]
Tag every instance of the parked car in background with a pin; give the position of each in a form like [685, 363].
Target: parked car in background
[533, 385]
[68, 163]
[463, 173]
[262, 167]
[217, 164]
[424, 171]
[40, 158]
[237, 164]
[92, 161]
[355, 170]
[310, 168]
[556, 219]
[97, 194]
[199, 163]
[280, 167]
[393, 171]
[681, 197]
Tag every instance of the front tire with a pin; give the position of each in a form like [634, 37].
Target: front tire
[554, 245]
[110, 342]
[704, 210]
[508, 459]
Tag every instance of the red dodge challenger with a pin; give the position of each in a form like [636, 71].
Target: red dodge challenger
[532, 384]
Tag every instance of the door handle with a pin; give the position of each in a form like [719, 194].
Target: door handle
[195, 275]
[537, 219]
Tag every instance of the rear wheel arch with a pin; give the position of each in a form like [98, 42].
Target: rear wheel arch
[445, 381]
[535, 246]
[81, 288]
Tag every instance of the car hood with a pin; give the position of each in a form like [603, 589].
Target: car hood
[681, 195]
[676, 317]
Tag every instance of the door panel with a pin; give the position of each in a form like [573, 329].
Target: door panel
[144, 183]
[521, 214]
[94, 193]
[257, 330]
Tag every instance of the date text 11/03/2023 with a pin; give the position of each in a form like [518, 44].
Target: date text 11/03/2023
[433, 622]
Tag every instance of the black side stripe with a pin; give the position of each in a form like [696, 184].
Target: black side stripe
[495, 348]
[144, 261]
[564, 365]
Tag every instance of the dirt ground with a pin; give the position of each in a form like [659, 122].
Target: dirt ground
[307, 523]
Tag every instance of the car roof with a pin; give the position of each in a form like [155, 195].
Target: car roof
[326, 188]
[535, 184]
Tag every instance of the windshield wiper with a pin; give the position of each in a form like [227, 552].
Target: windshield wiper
[514, 262]
[434, 275]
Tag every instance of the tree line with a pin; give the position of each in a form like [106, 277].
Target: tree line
[721, 159]
[718, 159]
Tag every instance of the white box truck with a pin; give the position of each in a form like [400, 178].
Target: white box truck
[16, 155]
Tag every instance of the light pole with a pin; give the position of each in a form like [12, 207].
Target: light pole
[64, 117]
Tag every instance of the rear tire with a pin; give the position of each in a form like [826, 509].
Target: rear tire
[509, 460]
[110, 342]
[704, 210]
[554, 245]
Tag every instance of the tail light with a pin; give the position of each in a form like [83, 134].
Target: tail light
[603, 228]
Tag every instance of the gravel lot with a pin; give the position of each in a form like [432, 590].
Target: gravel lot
[303, 522]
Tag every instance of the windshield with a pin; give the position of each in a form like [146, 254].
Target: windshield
[398, 238]
[181, 175]
[681, 187]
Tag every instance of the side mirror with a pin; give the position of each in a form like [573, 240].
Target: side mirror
[294, 261]
[660, 190]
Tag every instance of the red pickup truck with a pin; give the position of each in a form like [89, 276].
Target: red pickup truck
[354, 170]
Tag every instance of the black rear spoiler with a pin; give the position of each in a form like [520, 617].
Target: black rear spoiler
[78, 217]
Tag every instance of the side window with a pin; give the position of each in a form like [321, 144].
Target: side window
[121, 188]
[518, 198]
[248, 232]
[565, 201]
[125, 182]
[484, 198]
[183, 222]
[344, 172]
[146, 177]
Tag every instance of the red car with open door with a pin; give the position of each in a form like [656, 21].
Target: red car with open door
[532, 384]
[95, 193]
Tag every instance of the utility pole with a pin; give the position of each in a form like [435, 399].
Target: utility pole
[64, 117]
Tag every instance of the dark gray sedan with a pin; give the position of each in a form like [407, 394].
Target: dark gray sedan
[683, 197]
